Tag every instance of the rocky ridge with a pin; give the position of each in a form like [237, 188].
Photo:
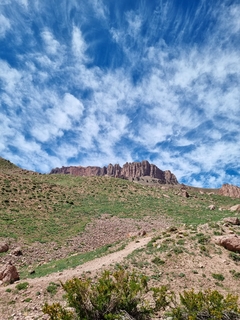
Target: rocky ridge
[131, 171]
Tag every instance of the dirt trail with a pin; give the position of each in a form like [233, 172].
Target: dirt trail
[17, 311]
[93, 265]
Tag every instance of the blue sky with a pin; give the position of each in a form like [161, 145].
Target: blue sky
[109, 81]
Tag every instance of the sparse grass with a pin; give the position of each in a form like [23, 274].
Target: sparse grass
[66, 263]
[234, 256]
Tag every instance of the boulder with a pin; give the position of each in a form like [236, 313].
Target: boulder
[4, 247]
[184, 194]
[9, 274]
[235, 208]
[17, 251]
[211, 207]
[232, 220]
[231, 243]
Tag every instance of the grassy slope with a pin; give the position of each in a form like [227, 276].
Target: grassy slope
[35, 207]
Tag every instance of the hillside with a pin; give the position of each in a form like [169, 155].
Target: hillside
[61, 221]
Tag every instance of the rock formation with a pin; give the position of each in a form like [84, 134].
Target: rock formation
[9, 274]
[128, 171]
[230, 191]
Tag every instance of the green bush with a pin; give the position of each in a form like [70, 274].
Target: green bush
[218, 276]
[206, 305]
[112, 295]
[122, 295]
[52, 288]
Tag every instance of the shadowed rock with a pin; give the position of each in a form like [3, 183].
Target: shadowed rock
[232, 220]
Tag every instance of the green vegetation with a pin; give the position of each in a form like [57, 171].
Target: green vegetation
[218, 276]
[37, 207]
[114, 294]
[234, 256]
[66, 263]
[122, 295]
[22, 286]
[206, 305]
[52, 288]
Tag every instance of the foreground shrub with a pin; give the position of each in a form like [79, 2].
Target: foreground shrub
[206, 305]
[112, 296]
[123, 295]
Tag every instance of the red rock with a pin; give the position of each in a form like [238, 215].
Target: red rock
[128, 171]
[9, 273]
[230, 191]
[231, 243]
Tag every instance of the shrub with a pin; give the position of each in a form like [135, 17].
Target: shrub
[22, 286]
[122, 295]
[112, 295]
[52, 288]
[206, 305]
[218, 276]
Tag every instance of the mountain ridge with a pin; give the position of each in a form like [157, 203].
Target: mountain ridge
[130, 171]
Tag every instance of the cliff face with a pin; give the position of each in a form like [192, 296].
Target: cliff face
[128, 171]
[230, 191]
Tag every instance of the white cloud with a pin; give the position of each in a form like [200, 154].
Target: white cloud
[5, 25]
[78, 44]
[52, 45]
[9, 76]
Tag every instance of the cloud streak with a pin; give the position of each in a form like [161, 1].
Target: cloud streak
[103, 83]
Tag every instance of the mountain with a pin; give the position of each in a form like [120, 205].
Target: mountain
[132, 171]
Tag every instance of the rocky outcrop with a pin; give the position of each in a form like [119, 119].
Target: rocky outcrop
[230, 191]
[128, 171]
[81, 171]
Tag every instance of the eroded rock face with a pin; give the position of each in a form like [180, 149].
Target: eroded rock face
[9, 274]
[81, 171]
[231, 243]
[230, 191]
[128, 171]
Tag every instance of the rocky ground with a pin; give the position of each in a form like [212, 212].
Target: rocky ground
[106, 230]
[181, 257]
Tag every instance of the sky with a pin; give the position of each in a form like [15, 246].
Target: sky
[93, 82]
